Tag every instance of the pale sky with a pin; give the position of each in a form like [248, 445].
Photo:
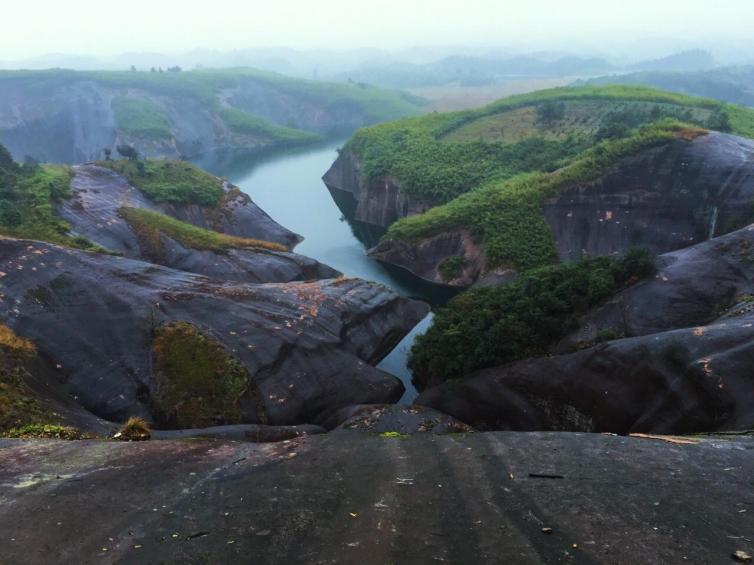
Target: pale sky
[107, 27]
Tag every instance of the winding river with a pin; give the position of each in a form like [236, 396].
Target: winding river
[289, 188]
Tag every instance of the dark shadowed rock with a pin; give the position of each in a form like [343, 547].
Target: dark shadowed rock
[693, 286]
[308, 347]
[382, 418]
[98, 194]
[694, 378]
[663, 198]
[361, 498]
[254, 433]
[680, 381]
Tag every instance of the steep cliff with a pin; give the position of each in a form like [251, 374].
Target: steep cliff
[71, 117]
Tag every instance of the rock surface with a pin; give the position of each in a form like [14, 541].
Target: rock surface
[355, 498]
[378, 202]
[692, 287]
[688, 368]
[664, 198]
[309, 347]
[394, 418]
[92, 212]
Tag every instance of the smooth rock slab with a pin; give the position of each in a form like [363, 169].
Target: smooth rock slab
[309, 347]
[355, 498]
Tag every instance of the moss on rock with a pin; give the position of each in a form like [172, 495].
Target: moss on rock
[19, 406]
[199, 383]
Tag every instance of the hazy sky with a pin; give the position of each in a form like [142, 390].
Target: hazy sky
[105, 27]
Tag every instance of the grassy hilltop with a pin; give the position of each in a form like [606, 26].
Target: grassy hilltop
[489, 169]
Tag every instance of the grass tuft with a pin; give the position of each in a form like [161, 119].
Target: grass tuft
[134, 429]
[150, 225]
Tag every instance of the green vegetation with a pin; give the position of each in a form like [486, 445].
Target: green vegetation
[248, 124]
[18, 404]
[22, 414]
[150, 226]
[141, 118]
[199, 383]
[174, 182]
[206, 86]
[47, 431]
[27, 196]
[506, 216]
[441, 156]
[452, 267]
[495, 325]
[134, 429]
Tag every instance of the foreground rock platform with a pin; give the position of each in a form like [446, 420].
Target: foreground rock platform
[364, 498]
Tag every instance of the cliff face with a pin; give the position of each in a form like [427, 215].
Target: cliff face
[679, 361]
[69, 117]
[664, 198]
[378, 202]
[308, 347]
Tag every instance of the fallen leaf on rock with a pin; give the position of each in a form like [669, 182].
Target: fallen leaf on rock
[669, 439]
[741, 556]
[546, 530]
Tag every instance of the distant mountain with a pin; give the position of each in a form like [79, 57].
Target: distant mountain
[476, 71]
[729, 84]
[695, 60]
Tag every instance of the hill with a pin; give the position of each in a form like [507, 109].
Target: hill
[470, 187]
[729, 84]
[72, 116]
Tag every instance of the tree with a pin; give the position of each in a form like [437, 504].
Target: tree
[108, 153]
[128, 152]
[152, 70]
[175, 69]
[6, 159]
[133, 68]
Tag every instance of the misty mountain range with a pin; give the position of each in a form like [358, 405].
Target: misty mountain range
[409, 68]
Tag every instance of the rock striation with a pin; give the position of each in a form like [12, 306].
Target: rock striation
[308, 347]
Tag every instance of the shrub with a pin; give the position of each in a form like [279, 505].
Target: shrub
[174, 182]
[495, 325]
[452, 267]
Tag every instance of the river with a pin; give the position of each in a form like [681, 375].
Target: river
[289, 188]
